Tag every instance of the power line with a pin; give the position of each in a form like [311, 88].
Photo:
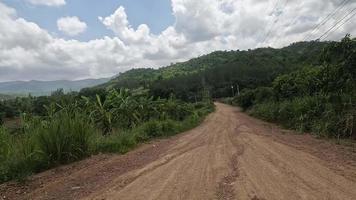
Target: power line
[327, 18]
[337, 23]
[273, 10]
[337, 28]
[275, 21]
[276, 5]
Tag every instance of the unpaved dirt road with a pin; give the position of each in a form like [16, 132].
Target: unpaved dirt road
[229, 156]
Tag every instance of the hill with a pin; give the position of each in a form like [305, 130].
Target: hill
[219, 71]
[38, 88]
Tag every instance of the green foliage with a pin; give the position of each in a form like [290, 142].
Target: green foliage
[218, 71]
[306, 81]
[118, 142]
[70, 128]
[156, 128]
[4, 144]
[18, 156]
[100, 113]
[65, 138]
[320, 99]
[249, 97]
[123, 141]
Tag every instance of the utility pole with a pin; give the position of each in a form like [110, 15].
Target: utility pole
[238, 89]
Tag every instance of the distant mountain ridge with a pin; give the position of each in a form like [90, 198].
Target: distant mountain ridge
[38, 88]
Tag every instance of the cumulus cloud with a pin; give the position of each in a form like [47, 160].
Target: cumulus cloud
[71, 26]
[118, 23]
[29, 52]
[48, 2]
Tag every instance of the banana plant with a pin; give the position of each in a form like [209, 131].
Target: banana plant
[124, 108]
[100, 113]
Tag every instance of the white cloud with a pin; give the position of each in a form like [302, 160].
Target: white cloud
[71, 26]
[29, 52]
[118, 23]
[48, 2]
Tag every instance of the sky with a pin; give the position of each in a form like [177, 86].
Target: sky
[78, 39]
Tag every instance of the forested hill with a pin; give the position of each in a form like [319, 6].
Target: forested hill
[220, 70]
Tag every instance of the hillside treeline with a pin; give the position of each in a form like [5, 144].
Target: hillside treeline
[318, 98]
[219, 71]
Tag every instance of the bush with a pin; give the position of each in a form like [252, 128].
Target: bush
[246, 99]
[65, 138]
[19, 156]
[156, 128]
[263, 94]
[120, 142]
[250, 97]
[309, 113]
[268, 111]
[4, 144]
[62, 139]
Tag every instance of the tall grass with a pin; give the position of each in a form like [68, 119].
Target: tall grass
[314, 114]
[61, 139]
[69, 135]
[65, 138]
[18, 155]
[121, 141]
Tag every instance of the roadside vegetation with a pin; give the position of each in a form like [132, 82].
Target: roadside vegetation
[319, 98]
[69, 127]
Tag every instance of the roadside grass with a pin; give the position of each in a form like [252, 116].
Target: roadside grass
[69, 137]
[124, 141]
[309, 114]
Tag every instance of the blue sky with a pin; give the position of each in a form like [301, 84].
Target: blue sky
[157, 14]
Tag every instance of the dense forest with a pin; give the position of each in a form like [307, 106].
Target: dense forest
[219, 71]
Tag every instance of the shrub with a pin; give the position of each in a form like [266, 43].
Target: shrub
[263, 94]
[246, 99]
[65, 138]
[268, 111]
[19, 156]
[309, 113]
[118, 142]
[25, 158]
[153, 129]
[4, 144]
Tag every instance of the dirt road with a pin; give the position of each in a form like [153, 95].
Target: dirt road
[229, 156]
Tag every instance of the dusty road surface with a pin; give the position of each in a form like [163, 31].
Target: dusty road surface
[229, 156]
